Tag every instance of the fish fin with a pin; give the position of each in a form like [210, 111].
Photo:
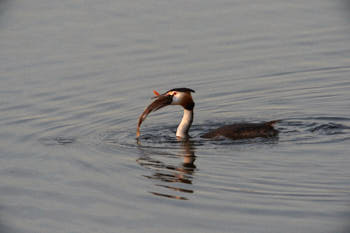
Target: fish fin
[156, 93]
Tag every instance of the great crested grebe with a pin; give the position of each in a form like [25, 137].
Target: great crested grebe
[183, 97]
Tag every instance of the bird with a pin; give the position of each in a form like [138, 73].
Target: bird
[183, 97]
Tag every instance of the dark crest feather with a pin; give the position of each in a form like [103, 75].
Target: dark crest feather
[182, 89]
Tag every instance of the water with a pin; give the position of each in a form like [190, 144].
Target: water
[75, 76]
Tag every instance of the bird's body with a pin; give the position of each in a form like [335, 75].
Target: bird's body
[183, 97]
[243, 131]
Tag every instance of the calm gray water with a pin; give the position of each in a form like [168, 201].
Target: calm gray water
[76, 75]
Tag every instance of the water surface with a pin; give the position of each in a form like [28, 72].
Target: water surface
[75, 76]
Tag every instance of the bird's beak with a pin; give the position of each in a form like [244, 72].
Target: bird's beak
[160, 102]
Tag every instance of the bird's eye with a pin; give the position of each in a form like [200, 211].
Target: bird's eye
[174, 93]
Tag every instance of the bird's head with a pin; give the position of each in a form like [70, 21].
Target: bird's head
[176, 96]
[181, 96]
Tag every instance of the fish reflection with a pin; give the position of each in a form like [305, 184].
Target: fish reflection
[171, 176]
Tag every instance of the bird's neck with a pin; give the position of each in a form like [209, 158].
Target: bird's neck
[185, 124]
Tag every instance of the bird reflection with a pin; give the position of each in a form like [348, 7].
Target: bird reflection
[171, 176]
